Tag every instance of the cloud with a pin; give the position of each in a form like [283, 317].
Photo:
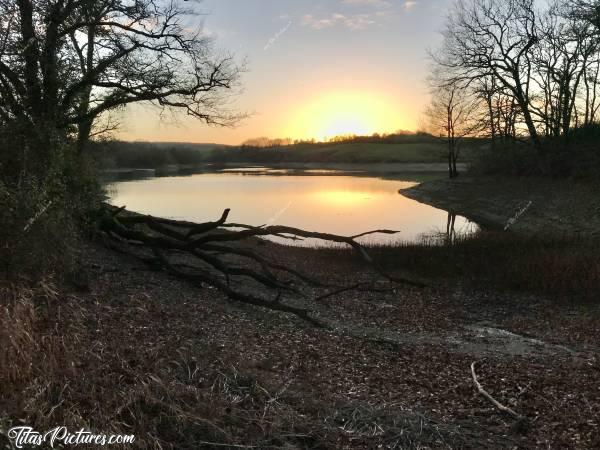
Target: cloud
[407, 5]
[353, 22]
[410, 4]
[371, 12]
[376, 3]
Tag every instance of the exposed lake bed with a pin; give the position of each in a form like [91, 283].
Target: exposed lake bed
[529, 206]
[407, 350]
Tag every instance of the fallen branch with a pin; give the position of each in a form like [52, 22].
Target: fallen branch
[212, 256]
[493, 401]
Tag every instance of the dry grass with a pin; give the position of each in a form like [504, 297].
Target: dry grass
[62, 362]
[557, 266]
[34, 358]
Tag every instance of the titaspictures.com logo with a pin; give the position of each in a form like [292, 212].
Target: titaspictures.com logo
[27, 437]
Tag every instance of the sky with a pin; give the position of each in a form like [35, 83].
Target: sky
[314, 69]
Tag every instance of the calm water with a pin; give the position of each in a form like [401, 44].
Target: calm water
[335, 203]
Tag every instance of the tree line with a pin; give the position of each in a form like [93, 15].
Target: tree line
[516, 71]
[399, 137]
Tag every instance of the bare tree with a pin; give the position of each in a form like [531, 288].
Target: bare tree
[455, 114]
[66, 63]
[585, 11]
[562, 61]
[494, 39]
[534, 66]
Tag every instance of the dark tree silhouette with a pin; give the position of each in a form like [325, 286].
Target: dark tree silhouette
[486, 38]
[66, 63]
[454, 113]
[535, 66]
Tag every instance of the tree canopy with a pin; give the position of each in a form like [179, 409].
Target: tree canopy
[65, 64]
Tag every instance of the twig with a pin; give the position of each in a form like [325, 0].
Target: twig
[493, 401]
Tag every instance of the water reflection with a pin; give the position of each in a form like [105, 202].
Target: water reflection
[451, 228]
[338, 204]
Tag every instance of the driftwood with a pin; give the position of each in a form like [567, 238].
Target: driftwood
[210, 254]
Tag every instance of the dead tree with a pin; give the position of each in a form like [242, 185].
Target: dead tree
[454, 112]
[210, 254]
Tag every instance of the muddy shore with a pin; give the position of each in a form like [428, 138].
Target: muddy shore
[530, 206]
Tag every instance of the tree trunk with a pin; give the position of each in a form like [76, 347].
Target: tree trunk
[83, 135]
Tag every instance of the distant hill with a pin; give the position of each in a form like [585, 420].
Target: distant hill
[185, 145]
[151, 155]
[405, 149]
[424, 152]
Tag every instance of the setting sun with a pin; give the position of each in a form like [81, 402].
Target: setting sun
[356, 224]
[344, 113]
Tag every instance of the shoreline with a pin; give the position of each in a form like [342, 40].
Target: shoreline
[349, 168]
[528, 206]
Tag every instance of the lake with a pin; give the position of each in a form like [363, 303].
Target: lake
[316, 200]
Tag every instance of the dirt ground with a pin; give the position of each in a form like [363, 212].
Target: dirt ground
[167, 362]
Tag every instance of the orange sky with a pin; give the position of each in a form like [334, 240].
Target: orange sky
[315, 69]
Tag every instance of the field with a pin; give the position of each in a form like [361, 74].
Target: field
[409, 152]
[411, 149]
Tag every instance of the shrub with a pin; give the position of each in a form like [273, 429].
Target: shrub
[575, 157]
[41, 221]
[37, 232]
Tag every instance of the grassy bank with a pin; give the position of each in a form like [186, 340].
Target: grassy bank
[557, 267]
[410, 152]
[551, 246]
[408, 149]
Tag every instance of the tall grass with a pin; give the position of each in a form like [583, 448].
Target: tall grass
[563, 266]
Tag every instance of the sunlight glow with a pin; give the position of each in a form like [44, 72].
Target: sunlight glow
[345, 113]
[343, 198]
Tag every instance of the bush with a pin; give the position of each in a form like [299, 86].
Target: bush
[508, 159]
[41, 221]
[37, 232]
[575, 157]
